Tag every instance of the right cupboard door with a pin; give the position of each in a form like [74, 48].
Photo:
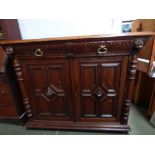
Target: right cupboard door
[99, 88]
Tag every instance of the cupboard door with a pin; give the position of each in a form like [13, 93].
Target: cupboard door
[49, 88]
[98, 88]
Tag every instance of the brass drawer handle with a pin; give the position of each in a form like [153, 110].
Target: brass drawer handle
[38, 52]
[102, 49]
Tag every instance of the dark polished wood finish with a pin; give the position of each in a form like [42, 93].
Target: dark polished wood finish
[79, 83]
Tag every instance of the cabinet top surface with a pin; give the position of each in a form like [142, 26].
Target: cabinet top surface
[84, 37]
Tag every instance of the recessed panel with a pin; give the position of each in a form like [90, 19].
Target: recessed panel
[108, 75]
[56, 75]
[60, 106]
[43, 106]
[88, 74]
[37, 76]
[107, 108]
[88, 106]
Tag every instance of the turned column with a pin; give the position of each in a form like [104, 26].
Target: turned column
[20, 78]
[129, 87]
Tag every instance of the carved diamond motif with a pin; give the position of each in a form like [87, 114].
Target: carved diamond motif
[99, 93]
[49, 92]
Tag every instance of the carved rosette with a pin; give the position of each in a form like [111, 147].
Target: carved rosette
[139, 43]
[9, 50]
[129, 87]
[20, 78]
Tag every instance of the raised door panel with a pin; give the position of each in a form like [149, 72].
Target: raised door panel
[97, 83]
[49, 89]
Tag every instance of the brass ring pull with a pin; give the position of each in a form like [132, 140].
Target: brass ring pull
[102, 49]
[38, 52]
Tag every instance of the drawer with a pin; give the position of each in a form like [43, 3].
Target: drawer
[39, 49]
[102, 47]
[113, 47]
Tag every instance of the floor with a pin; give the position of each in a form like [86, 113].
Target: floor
[138, 121]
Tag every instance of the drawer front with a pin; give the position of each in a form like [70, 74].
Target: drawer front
[119, 47]
[97, 48]
[39, 49]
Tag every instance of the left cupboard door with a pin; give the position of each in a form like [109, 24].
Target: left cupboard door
[49, 88]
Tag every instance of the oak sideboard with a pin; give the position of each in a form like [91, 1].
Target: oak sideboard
[77, 83]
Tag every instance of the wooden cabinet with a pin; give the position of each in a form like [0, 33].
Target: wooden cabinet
[11, 108]
[9, 29]
[80, 83]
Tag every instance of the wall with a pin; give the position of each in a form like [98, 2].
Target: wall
[31, 28]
